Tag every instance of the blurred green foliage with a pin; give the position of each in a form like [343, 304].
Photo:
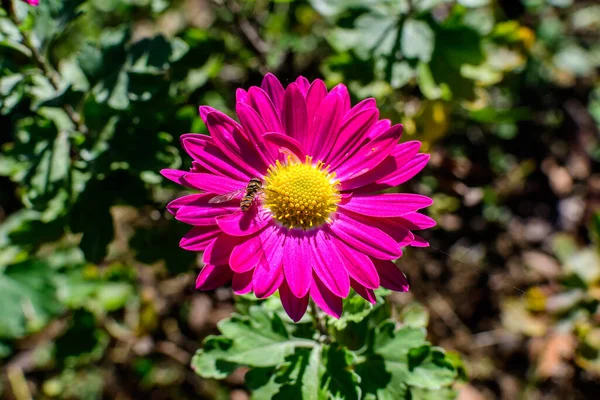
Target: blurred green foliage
[96, 298]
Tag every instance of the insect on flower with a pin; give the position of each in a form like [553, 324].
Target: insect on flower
[309, 170]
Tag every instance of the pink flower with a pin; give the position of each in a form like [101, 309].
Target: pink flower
[315, 226]
[32, 2]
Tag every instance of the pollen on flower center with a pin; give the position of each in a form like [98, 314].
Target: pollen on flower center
[301, 195]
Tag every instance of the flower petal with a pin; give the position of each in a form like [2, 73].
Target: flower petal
[246, 255]
[199, 237]
[209, 156]
[369, 240]
[219, 251]
[324, 128]
[263, 105]
[360, 106]
[327, 301]
[213, 183]
[329, 264]
[294, 307]
[351, 136]
[272, 87]
[369, 155]
[391, 276]
[419, 242]
[297, 264]
[242, 283]
[269, 271]
[199, 212]
[205, 110]
[416, 221]
[294, 114]
[399, 156]
[314, 97]
[227, 134]
[279, 142]
[213, 276]
[386, 204]
[359, 266]
[342, 90]
[254, 127]
[241, 96]
[243, 223]
[190, 199]
[367, 294]
[400, 175]
[175, 175]
[303, 85]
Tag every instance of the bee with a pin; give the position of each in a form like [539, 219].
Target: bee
[249, 194]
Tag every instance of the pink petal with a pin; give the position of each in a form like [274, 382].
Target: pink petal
[255, 128]
[243, 223]
[359, 266]
[369, 155]
[175, 175]
[379, 128]
[342, 90]
[329, 265]
[189, 199]
[294, 114]
[208, 155]
[351, 136]
[219, 251]
[278, 141]
[369, 240]
[241, 96]
[294, 307]
[263, 105]
[242, 283]
[400, 175]
[399, 156]
[273, 88]
[205, 110]
[324, 128]
[416, 221]
[367, 294]
[360, 106]
[199, 212]
[199, 237]
[213, 183]
[297, 264]
[386, 204]
[246, 255]
[227, 134]
[394, 227]
[419, 242]
[327, 301]
[213, 276]
[391, 276]
[269, 271]
[303, 85]
[314, 97]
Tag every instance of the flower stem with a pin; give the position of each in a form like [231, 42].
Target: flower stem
[319, 322]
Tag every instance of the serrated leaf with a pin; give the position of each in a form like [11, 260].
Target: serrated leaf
[338, 379]
[418, 40]
[27, 298]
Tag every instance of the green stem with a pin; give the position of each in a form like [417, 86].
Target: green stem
[319, 322]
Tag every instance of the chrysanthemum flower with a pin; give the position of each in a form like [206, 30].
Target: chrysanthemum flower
[317, 223]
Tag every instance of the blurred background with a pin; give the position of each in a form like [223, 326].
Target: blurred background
[96, 298]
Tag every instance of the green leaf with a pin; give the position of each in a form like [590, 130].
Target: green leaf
[27, 298]
[400, 360]
[418, 40]
[338, 379]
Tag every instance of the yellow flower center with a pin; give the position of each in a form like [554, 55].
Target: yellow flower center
[301, 195]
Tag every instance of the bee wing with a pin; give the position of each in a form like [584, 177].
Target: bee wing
[288, 153]
[227, 196]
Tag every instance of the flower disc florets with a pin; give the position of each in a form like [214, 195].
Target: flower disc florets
[301, 195]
